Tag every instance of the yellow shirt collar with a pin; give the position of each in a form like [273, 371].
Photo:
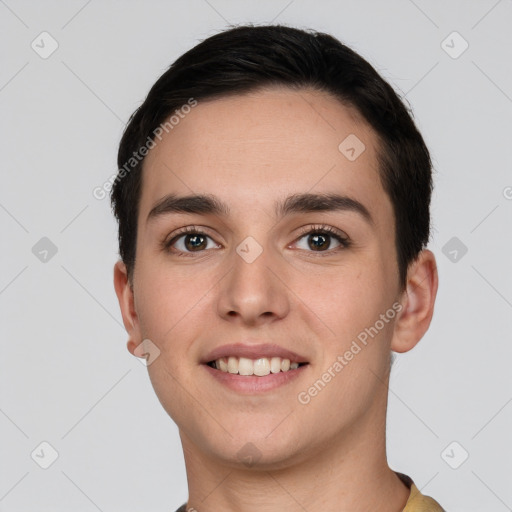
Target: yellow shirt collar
[417, 502]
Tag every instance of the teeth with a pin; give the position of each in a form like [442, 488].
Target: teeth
[222, 365]
[245, 366]
[232, 365]
[260, 367]
[275, 365]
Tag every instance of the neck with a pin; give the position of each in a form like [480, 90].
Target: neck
[345, 473]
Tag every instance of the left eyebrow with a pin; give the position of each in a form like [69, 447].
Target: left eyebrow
[296, 203]
[306, 203]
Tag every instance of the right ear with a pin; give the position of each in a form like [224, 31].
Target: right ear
[124, 292]
[418, 302]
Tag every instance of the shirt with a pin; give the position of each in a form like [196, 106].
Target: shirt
[417, 502]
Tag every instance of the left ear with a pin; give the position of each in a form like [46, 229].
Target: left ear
[124, 292]
[417, 302]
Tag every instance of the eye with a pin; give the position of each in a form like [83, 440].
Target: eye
[190, 240]
[322, 239]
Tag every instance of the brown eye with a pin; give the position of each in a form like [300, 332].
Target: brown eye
[189, 241]
[195, 242]
[319, 242]
[322, 239]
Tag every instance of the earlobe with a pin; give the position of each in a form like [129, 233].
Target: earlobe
[124, 292]
[418, 303]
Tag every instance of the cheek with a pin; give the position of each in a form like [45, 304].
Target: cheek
[165, 300]
[169, 308]
[345, 299]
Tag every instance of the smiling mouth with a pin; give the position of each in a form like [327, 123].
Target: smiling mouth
[255, 367]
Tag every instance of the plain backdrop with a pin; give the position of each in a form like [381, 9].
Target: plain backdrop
[66, 377]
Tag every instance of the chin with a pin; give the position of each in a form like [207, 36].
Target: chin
[254, 453]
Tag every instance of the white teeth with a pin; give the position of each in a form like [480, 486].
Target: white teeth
[260, 367]
[245, 366]
[232, 365]
[275, 365]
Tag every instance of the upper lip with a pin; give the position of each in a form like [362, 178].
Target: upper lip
[253, 351]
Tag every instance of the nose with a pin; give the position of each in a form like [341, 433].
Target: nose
[254, 292]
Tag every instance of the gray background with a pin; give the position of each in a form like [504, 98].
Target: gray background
[66, 377]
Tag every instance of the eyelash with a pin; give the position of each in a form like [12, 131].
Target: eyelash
[316, 229]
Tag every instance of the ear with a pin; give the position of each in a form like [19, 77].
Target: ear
[124, 292]
[417, 303]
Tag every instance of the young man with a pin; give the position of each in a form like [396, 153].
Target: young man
[273, 205]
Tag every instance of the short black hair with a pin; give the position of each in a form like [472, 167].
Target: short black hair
[246, 58]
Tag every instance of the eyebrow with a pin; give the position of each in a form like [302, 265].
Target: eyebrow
[296, 203]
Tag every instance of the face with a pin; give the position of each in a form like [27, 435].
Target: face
[274, 273]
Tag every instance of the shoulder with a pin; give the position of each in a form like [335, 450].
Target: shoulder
[418, 502]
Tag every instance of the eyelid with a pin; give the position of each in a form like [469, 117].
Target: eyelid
[323, 228]
[184, 231]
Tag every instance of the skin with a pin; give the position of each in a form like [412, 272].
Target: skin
[250, 151]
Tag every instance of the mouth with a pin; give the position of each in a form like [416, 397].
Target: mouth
[259, 367]
[252, 368]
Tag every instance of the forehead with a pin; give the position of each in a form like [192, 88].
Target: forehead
[255, 147]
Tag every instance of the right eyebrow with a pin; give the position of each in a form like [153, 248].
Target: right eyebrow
[198, 204]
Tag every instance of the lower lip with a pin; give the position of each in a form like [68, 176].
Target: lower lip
[252, 384]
